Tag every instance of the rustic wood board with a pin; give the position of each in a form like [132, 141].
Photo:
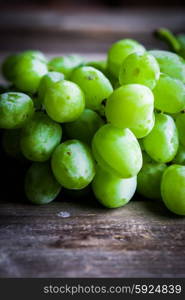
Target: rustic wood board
[82, 239]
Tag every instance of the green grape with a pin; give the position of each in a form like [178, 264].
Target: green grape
[85, 126]
[8, 66]
[180, 123]
[173, 189]
[180, 156]
[119, 51]
[40, 185]
[35, 54]
[100, 65]
[131, 106]
[28, 72]
[64, 101]
[94, 84]
[112, 191]
[46, 83]
[169, 94]
[73, 165]
[65, 64]
[170, 63]
[15, 110]
[139, 68]
[149, 178]
[39, 137]
[11, 143]
[117, 151]
[162, 142]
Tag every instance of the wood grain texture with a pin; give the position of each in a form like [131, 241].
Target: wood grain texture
[55, 31]
[139, 240]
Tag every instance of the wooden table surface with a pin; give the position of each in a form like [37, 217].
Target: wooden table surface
[80, 238]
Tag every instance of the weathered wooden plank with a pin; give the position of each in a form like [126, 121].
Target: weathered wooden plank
[81, 32]
[141, 239]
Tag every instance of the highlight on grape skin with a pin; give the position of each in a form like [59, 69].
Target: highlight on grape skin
[113, 127]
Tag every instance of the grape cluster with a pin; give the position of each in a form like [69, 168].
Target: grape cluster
[117, 124]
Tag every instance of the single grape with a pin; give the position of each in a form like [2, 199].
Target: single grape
[173, 189]
[119, 51]
[65, 64]
[179, 159]
[11, 143]
[170, 63]
[94, 84]
[39, 137]
[180, 123]
[169, 94]
[73, 165]
[117, 151]
[46, 83]
[162, 142]
[40, 185]
[64, 101]
[112, 191]
[149, 178]
[84, 127]
[139, 68]
[131, 106]
[28, 72]
[15, 110]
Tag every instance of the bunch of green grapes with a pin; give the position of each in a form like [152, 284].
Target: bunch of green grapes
[116, 125]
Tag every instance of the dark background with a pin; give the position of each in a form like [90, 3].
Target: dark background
[63, 4]
[57, 26]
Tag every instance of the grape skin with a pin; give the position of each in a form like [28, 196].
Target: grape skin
[131, 106]
[170, 63]
[39, 137]
[15, 110]
[65, 64]
[162, 142]
[28, 71]
[64, 101]
[84, 127]
[149, 178]
[169, 95]
[40, 185]
[94, 84]
[119, 51]
[112, 191]
[180, 122]
[139, 68]
[117, 151]
[180, 156]
[173, 189]
[46, 82]
[73, 165]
